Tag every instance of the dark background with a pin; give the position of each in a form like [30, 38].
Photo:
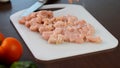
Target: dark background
[107, 12]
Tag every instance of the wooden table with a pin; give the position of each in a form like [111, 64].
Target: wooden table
[107, 12]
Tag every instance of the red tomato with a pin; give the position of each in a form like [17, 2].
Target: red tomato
[1, 54]
[12, 50]
[1, 37]
[1, 50]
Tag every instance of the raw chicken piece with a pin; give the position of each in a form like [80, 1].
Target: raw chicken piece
[93, 39]
[49, 27]
[38, 20]
[41, 29]
[77, 38]
[74, 36]
[59, 24]
[47, 34]
[46, 21]
[71, 19]
[33, 15]
[22, 21]
[45, 28]
[69, 28]
[84, 30]
[81, 23]
[45, 14]
[91, 30]
[58, 31]
[61, 18]
[27, 24]
[34, 27]
[56, 39]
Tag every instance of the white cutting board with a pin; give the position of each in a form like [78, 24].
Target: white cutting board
[44, 51]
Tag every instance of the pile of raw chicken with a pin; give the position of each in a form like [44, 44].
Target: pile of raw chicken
[57, 30]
